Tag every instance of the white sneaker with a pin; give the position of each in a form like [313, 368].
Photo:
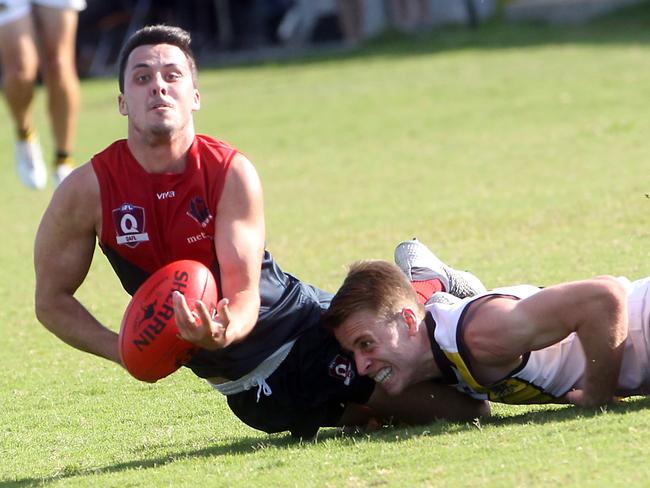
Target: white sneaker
[30, 164]
[419, 264]
[61, 172]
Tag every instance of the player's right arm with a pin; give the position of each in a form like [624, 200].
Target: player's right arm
[500, 330]
[64, 247]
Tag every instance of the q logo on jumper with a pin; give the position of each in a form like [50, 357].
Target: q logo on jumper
[129, 225]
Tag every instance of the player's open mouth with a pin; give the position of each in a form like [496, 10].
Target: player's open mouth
[383, 375]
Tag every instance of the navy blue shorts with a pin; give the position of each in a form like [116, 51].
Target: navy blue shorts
[310, 389]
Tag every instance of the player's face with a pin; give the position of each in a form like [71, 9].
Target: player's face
[383, 349]
[159, 93]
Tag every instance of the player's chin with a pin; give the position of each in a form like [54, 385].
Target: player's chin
[161, 129]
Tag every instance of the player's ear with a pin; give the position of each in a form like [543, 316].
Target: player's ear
[121, 104]
[196, 105]
[411, 320]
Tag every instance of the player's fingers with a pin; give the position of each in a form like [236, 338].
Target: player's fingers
[574, 396]
[202, 312]
[223, 311]
[182, 313]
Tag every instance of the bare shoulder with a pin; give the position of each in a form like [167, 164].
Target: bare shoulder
[491, 336]
[242, 181]
[77, 199]
[242, 167]
[82, 182]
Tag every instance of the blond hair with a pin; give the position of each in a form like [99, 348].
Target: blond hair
[375, 286]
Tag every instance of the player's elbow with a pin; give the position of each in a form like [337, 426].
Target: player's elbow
[611, 299]
[41, 309]
[612, 293]
[44, 308]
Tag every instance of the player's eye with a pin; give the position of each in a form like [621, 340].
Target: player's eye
[365, 345]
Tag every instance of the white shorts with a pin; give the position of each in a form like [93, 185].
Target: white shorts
[11, 10]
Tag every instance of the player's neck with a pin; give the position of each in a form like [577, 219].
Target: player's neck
[436, 374]
[161, 154]
[427, 367]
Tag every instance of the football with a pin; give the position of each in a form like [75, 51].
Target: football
[148, 343]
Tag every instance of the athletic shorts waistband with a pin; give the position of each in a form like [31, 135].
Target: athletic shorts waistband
[257, 377]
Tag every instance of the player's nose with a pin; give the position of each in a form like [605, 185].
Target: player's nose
[362, 362]
[159, 86]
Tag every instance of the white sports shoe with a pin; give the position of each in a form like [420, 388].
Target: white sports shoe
[61, 172]
[419, 264]
[30, 164]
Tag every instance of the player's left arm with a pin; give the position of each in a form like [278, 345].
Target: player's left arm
[501, 330]
[239, 244]
[418, 404]
[239, 241]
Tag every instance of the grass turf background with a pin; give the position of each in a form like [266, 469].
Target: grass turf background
[518, 152]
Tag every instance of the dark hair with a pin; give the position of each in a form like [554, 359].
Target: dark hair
[157, 34]
[373, 285]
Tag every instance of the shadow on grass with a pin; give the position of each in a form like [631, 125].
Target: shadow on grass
[627, 26]
[395, 434]
[569, 412]
[244, 446]
[545, 415]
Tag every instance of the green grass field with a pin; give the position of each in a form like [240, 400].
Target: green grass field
[518, 152]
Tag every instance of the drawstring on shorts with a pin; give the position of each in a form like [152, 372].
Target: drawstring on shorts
[257, 377]
[262, 386]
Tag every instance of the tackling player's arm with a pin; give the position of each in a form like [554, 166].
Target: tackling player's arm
[239, 244]
[64, 247]
[418, 404]
[501, 330]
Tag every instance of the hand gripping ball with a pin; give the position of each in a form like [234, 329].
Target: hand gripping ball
[149, 345]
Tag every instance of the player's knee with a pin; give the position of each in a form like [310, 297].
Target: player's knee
[20, 73]
[58, 68]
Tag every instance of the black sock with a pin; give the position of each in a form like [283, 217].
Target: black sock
[25, 134]
[62, 157]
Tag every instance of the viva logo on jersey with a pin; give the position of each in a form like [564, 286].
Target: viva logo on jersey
[129, 225]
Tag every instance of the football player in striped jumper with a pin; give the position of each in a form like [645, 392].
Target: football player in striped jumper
[583, 342]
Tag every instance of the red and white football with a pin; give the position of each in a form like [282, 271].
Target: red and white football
[149, 346]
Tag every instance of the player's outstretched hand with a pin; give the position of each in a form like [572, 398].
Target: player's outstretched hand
[580, 399]
[200, 327]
